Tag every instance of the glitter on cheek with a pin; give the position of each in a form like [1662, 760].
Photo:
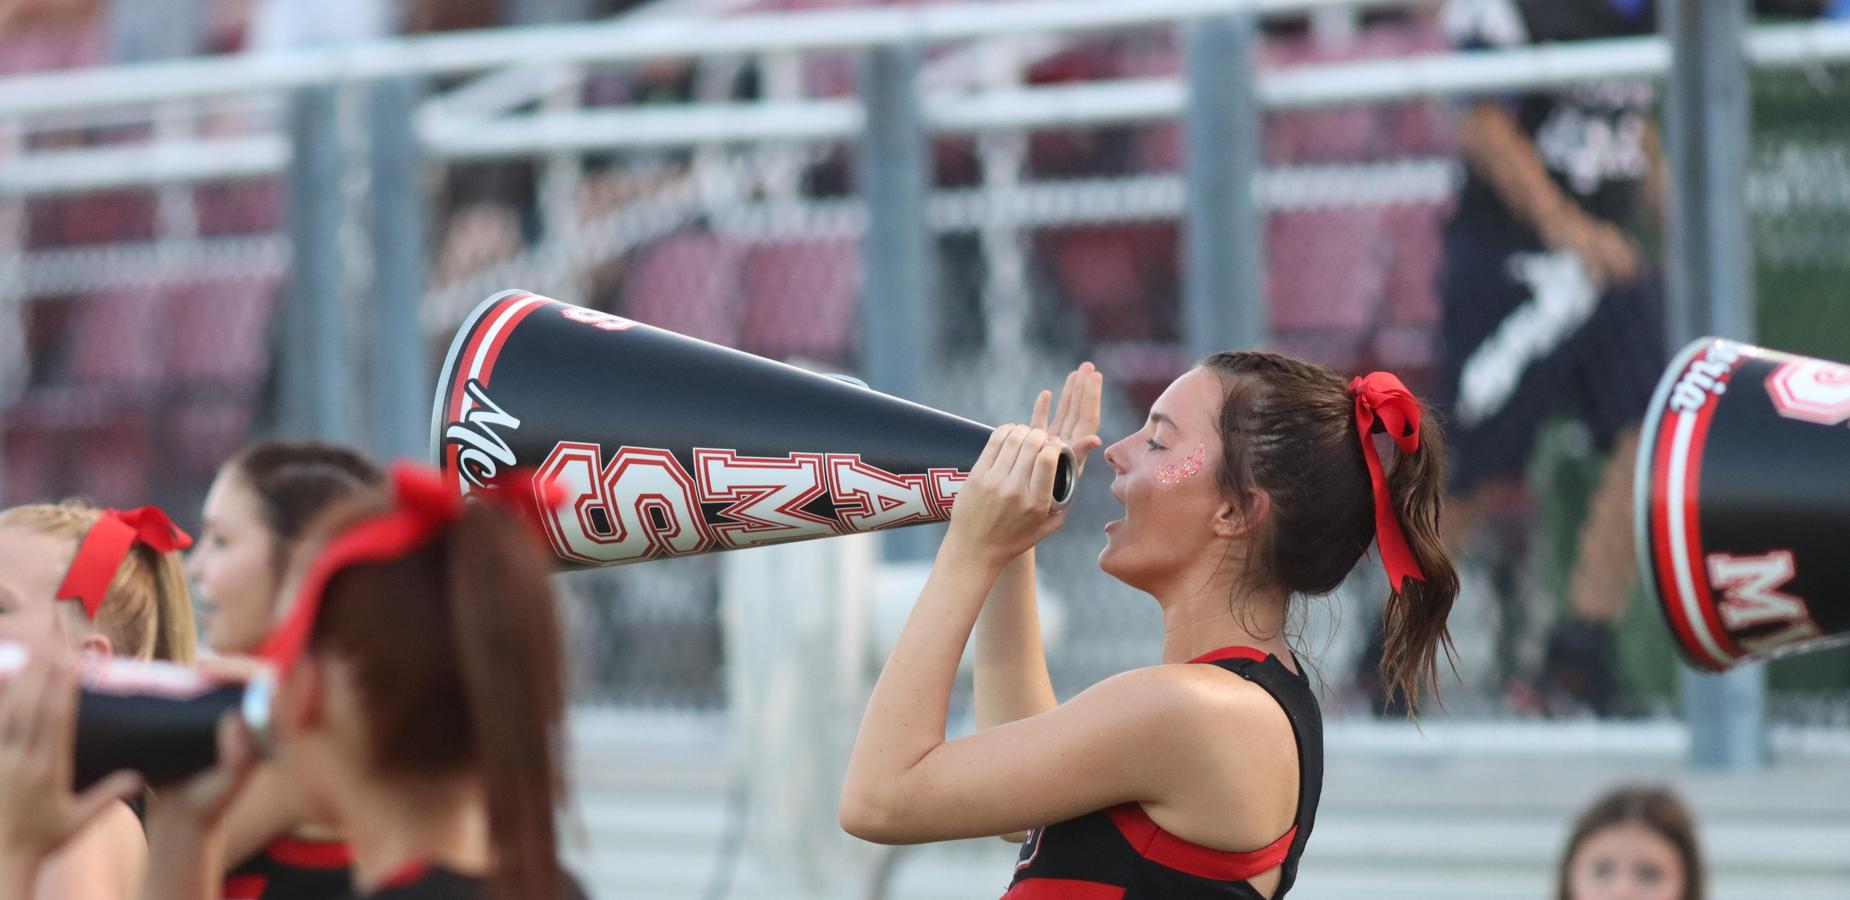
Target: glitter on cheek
[1183, 469]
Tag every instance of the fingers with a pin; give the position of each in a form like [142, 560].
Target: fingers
[1041, 476]
[1033, 441]
[1092, 389]
[57, 733]
[24, 697]
[1010, 453]
[95, 800]
[235, 750]
[13, 698]
[232, 669]
[991, 450]
[1065, 412]
[1041, 402]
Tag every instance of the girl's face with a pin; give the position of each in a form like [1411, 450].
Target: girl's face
[1165, 477]
[231, 566]
[32, 566]
[1627, 861]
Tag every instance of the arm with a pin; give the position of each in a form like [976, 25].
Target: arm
[186, 830]
[266, 809]
[1656, 176]
[72, 845]
[1011, 680]
[1125, 739]
[105, 861]
[1496, 149]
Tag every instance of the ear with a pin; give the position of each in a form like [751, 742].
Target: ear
[301, 700]
[75, 625]
[1232, 520]
[92, 643]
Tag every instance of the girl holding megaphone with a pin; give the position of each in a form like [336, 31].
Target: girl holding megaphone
[1256, 478]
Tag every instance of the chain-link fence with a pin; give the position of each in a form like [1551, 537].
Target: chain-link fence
[150, 307]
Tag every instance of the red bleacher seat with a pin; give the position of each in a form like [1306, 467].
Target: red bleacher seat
[114, 462]
[119, 338]
[1416, 233]
[1114, 275]
[240, 207]
[687, 282]
[801, 299]
[205, 432]
[221, 331]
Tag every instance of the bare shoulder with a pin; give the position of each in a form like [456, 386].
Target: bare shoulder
[1196, 701]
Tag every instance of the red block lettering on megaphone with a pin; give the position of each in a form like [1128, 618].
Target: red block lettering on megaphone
[663, 445]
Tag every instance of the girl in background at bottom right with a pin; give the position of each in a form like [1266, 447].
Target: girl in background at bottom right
[1636, 842]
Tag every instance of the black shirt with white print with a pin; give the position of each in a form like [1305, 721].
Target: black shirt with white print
[1590, 137]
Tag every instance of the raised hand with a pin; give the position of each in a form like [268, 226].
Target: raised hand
[38, 738]
[1006, 505]
[1075, 422]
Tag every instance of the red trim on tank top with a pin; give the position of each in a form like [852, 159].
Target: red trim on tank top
[310, 854]
[1155, 844]
[244, 887]
[405, 875]
[1158, 846]
[1063, 889]
[1250, 653]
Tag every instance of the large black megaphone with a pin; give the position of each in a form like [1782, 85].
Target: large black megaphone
[663, 445]
[1743, 502]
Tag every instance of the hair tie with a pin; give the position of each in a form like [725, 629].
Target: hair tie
[107, 543]
[423, 506]
[1381, 399]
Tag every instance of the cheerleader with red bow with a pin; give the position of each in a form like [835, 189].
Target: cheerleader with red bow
[1255, 480]
[94, 582]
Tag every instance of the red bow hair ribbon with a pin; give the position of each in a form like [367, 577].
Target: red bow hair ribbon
[108, 543]
[1380, 397]
[423, 507]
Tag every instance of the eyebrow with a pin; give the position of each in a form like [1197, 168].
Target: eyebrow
[1161, 419]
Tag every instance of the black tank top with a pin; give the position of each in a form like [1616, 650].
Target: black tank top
[1121, 854]
[419, 880]
[292, 869]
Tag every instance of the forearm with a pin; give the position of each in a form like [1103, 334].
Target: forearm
[906, 715]
[1498, 151]
[17, 872]
[266, 809]
[1011, 678]
[185, 860]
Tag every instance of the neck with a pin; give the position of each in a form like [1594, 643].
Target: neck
[395, 823]
[1222, 615]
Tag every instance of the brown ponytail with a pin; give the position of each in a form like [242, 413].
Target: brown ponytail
[1414, 622]
[458, 655]
[507, 639]
[1288, 428]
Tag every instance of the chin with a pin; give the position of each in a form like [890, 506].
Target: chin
[1111, 563]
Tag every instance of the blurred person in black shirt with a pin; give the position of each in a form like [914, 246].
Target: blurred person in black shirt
[1550, 305]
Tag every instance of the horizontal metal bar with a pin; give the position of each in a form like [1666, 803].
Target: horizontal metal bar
[1070, 105]
[150, 264]
[142, 165]
[1059, 106]
[650, 126]
[616, 40]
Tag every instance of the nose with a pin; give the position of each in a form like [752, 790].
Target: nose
[193, 563]
[1114, 455]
